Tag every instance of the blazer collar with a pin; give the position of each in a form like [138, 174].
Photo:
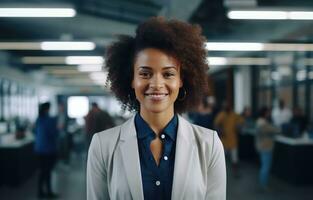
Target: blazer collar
[185, 144]
[130, 156]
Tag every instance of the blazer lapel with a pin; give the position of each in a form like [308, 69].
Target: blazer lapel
[184, 152]
[130, 155]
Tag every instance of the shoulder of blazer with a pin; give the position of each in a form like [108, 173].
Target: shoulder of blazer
[108, 140]
[200, 133]
[206, 139]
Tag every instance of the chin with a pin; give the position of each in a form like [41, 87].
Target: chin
[156, 109]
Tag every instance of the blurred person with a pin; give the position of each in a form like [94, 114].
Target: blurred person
[227, 122]
[46, 149]
[281, 114]
[64, 140]
[249, 122]
[97, 120]
[159, 73]
[299, 120]
[205, 115]
[264, 144]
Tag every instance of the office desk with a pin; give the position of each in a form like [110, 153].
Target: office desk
[17, 159]
[293, 160]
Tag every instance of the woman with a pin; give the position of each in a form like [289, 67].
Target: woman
[157, 154]
[265, 144]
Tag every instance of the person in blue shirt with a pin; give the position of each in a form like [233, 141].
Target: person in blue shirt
[157, 155]
[46, 149]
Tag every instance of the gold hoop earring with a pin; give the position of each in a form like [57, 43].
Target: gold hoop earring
[184, 95]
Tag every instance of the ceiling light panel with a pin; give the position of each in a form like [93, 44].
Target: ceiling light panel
[300, 15]
[90, 68]
[48, 46]
[240, 61]
[77, 60]
[69, 60]
[248, 46]
[234, 46]
[43, 60]
[73, 46]
[19, 46]
[266, 15]
[37, 12]
[270, 15]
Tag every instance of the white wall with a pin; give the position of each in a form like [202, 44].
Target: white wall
[242, 88]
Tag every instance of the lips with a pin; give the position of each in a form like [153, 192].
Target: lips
[156, 96]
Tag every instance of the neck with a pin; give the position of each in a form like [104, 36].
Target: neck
[157, 121]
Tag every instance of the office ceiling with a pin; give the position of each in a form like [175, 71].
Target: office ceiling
[100, 20]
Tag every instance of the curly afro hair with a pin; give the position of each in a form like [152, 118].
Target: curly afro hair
[181, 40]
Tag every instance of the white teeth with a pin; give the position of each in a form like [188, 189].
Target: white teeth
[156, 95]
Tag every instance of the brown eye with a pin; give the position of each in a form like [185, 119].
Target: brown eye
[168, 74]
[145, 74]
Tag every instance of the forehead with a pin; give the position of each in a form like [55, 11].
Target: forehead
[154, 57]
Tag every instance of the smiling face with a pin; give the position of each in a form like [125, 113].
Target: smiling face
[156, 81]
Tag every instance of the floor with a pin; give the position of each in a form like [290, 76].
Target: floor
[69, 182]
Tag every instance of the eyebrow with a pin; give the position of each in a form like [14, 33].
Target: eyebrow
[164, 68]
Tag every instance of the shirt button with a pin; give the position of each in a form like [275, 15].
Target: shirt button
[165, 158]
[157, 183]
[162, 136]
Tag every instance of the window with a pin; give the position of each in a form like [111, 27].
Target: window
[78, 106]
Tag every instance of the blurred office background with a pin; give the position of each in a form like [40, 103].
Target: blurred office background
[256, 58]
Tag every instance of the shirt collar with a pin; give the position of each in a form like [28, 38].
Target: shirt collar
[143, 129]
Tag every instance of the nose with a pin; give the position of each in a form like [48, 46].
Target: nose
[157, 81]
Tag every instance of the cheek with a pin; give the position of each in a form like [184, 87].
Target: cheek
[176, 85]
[138, 86]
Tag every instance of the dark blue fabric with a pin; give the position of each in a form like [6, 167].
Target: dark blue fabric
[46, 135]
[150, 172]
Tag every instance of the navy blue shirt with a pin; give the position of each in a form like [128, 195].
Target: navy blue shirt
[157, 180]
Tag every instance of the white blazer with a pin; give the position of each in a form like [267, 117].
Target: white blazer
[113, 166]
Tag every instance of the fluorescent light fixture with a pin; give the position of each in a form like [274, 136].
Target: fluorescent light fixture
[216, 61]
[266, 15]
[52, 46]
[241, 61]
[252, 46]
[73, 46]
[64, 72]
[90, 68]
[77, 60]
[19, 46]
[300, 15]
[37, 12]
[69, 60]
[43, 60]
[98, 76]
[234, 46]
[270, 15]
[287, 47]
